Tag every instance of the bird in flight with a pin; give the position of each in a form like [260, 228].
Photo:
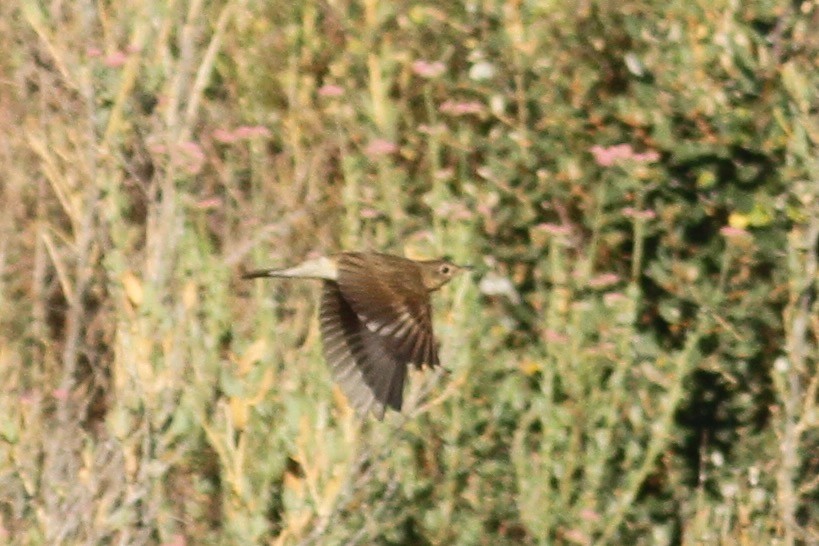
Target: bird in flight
[375, 319]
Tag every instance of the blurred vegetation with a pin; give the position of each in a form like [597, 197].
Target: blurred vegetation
[636, 361]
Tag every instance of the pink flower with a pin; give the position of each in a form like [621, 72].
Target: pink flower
[380, 147]
[453, 210]
[93, 52]
[28, 397]
[428, 70]
[60, 394]
[554, 337]
[192, 149]
[437, 129]
[647, 157]
[422, 236]
[589, 515]
[647, 214]
[240, 133]
[330, 90]
[613, 298]
[115, 59]
[554, 229]
[485, 209]
[612, 155]
[604, 280]
[194, 157]
[577, 536]
[603, 348]
[730, 232]
[250, 131]
[208, 204]
[461, 108]
[176, 540]
[369, 213]
[224, 136]
[606, 157]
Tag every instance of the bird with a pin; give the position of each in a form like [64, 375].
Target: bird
[375, 319]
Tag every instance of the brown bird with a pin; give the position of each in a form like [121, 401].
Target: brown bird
[375, 320]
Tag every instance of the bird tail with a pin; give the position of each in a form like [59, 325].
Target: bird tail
[318, 268]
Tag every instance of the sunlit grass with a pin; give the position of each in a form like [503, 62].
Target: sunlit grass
[641, 190]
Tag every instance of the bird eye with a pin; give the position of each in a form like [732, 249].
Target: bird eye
[445, 269]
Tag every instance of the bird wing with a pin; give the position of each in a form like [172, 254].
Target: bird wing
[365, 367]
[389, 298]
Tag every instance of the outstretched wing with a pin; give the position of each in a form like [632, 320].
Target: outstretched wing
[389, 298]
[366, 369]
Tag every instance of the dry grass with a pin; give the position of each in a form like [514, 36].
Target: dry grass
[153, 150]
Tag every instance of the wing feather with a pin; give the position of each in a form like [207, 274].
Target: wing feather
[388, 296]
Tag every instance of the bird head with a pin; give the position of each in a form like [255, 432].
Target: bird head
[436, 273]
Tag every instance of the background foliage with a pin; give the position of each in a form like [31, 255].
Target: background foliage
[634, 363]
